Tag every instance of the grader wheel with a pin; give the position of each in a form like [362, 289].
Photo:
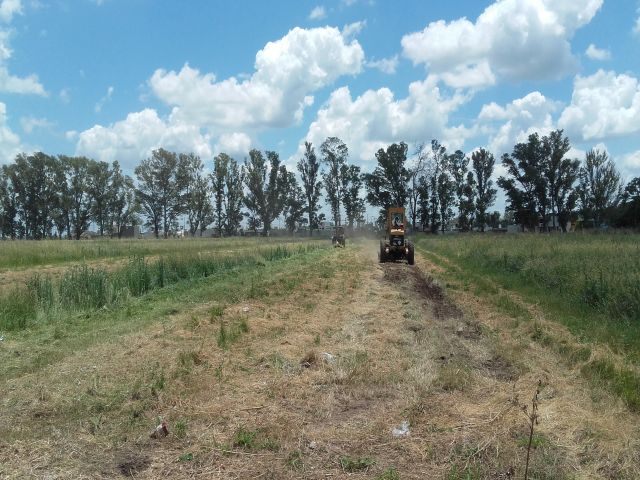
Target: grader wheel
[382, 256]
[410, 255]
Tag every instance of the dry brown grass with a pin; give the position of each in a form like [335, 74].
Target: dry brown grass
[325, 371]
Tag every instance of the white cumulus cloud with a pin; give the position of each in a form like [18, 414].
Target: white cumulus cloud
[632, 160]
[10, 83]
[286, 72]
[203, 109]
[353, 29]
[512, 39]
[603, 105]
[318, 13]
[29, 124]
[236, 144]
[514, 122]
[595, 53]
[9, 8]
[133, 139]
[65, 95]
[104, 100]
[27, 85]
[375, 119]
[10, 144]
[385, 65]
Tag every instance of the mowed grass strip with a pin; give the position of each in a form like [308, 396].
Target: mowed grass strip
[176, 334]
[32, 253]
[589, 283]
[82, 287]
[89, 306]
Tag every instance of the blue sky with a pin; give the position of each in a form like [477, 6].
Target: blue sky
[114, 79]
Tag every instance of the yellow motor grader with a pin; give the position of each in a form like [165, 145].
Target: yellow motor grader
[395, 245]
[338, 237]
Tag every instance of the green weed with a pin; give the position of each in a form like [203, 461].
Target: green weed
[180, 428]
[295, 460]
[389, 474]
[245, 439]
[623, 382]
[352, 464]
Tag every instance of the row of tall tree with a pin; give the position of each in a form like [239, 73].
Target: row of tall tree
[44, 196]
[545, 189]
[436, 186]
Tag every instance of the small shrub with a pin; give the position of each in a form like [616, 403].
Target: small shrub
[623, 382]
[216, 312]
[453, 377]
[192, 323]
[180, 428]
[350, 464]
[295, 461]
[278, 253]
[136, 276]
[243, 326]
[42, 290]
[157, 380]
[389, 474]
[84, 288]
[229, 334]
[270, 444]
[16, 310]
[245, 439]
[223, 336]
[187, 360]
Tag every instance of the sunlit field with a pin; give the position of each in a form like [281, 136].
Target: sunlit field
[588, 282]
[49, 252]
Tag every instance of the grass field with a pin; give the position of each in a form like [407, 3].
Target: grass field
[23, 254]
[281, 359]
[590, 283]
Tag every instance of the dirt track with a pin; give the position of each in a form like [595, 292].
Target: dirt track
[325, 374]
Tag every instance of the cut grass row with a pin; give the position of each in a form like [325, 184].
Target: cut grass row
[115, 409]
[83, 288]
[589, 283]
[84, 313]
[26, 253]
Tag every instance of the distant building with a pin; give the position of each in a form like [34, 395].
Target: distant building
[130, 231]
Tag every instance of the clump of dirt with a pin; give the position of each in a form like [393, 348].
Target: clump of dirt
[353, 407]
[469, 331]
[310, 360]
[415, 327]
[500, 368]
[396, 274]
[132, 465]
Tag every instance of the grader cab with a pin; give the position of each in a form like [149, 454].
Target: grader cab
[395, 245]
[338, 237]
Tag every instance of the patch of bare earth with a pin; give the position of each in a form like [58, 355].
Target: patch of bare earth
[315, 388]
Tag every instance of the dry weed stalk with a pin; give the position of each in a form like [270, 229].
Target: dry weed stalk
[533, 421]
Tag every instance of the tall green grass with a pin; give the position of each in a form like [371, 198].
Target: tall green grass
[590, 283]
[30, 253]
[597, 277]
[82, 288]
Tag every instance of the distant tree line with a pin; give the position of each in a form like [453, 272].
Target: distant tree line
[44, 196]
[543, 187]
